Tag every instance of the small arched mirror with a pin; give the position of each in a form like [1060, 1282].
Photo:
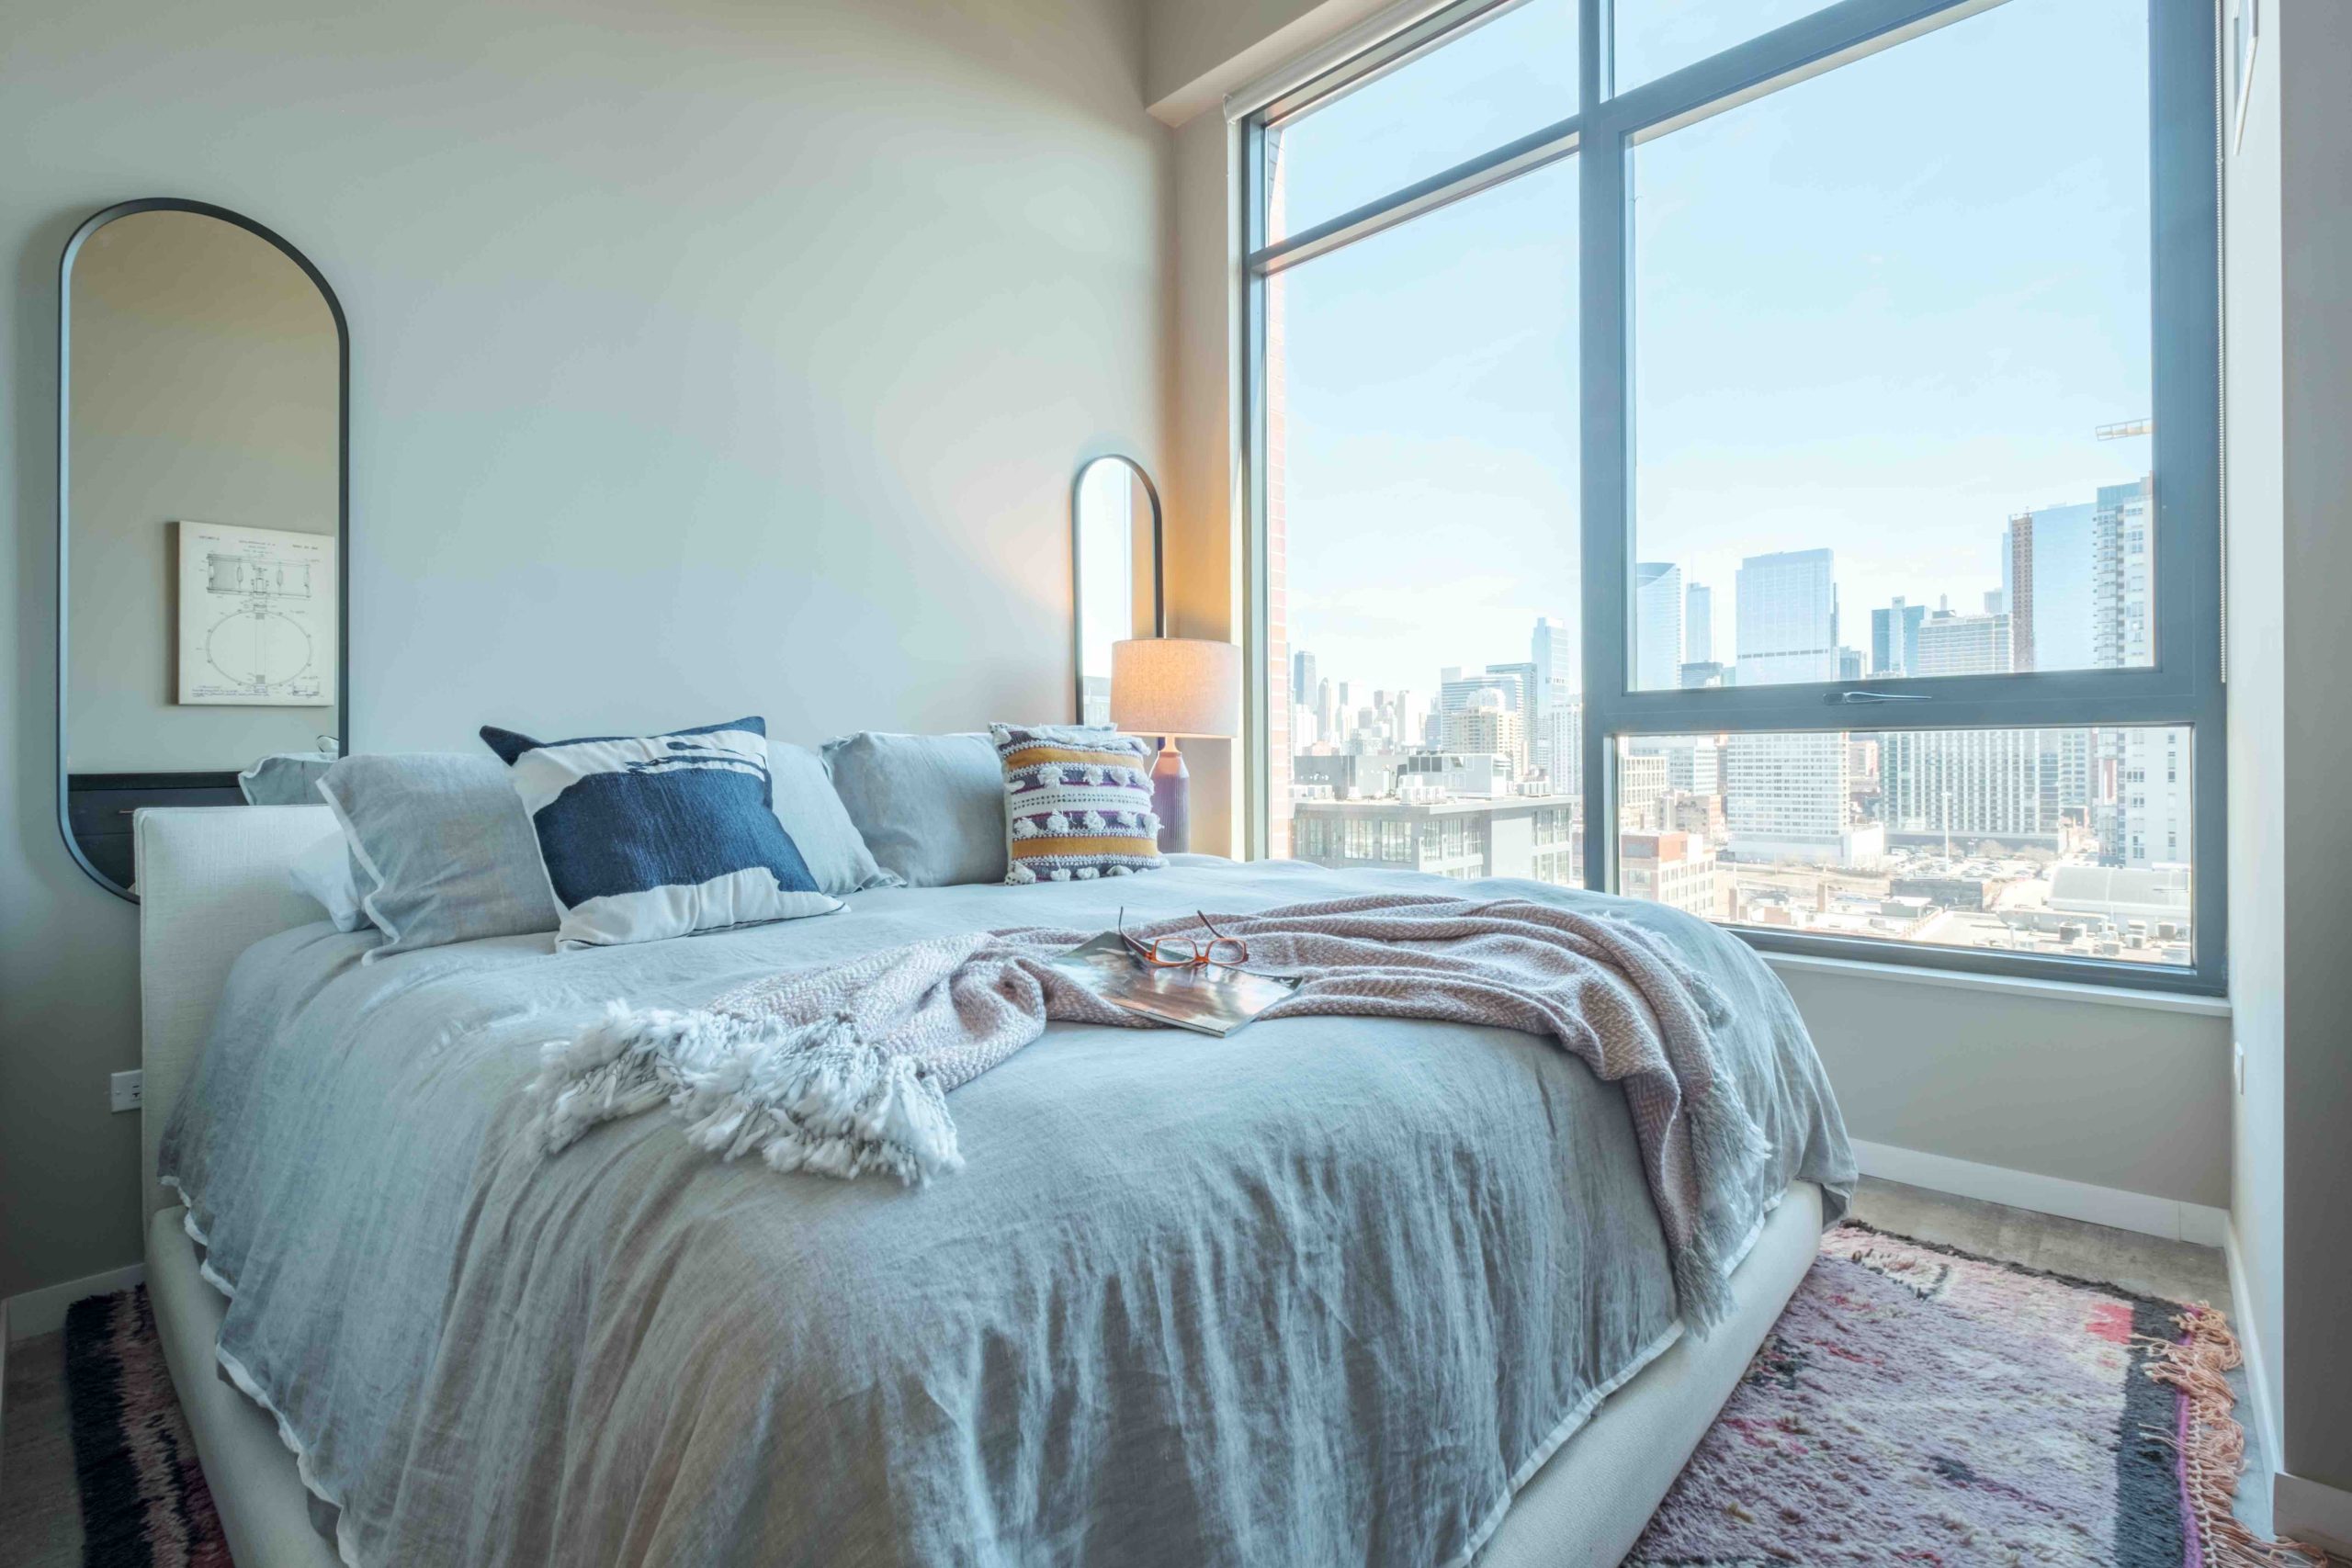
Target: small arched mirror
[202, 526]
[1114, 550]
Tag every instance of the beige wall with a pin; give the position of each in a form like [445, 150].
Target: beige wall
[707, 359]
[1196, 51]
[204, 388]
[2130, 1098]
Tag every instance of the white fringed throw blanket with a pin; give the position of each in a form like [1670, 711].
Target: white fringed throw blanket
[847, 1069]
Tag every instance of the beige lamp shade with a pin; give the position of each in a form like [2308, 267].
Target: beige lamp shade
[1176, 685]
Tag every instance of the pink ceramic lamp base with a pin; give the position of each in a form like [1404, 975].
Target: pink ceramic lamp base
[1170, 792]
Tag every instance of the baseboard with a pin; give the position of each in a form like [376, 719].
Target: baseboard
[43, 1311]
[2311, 1512]
[2142, 1211]
[2257, 1382]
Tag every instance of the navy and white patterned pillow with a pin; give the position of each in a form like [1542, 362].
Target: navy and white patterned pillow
[656, 836]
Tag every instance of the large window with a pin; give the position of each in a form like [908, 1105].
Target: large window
[1761, 458]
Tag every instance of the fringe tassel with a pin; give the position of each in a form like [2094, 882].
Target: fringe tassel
[812, 1097]
[2213, 1444]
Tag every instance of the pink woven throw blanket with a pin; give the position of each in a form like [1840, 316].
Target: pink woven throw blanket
[847, 1069]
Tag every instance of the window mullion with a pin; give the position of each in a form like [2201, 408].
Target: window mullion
[1605, 444]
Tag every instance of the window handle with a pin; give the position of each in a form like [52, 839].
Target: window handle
[1838, 699]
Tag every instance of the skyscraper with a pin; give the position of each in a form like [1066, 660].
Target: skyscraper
[1302, 676]
[2142, 812]
[1788, 617]
[1784, 796]
[1552, 651]
[1657, 625]
[2047, 570]
[1895, 638]
[1698, 625]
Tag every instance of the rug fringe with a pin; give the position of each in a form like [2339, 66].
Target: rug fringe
[2214, 1451]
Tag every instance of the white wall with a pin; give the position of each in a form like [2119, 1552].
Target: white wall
[707, 359]
[2257, 715]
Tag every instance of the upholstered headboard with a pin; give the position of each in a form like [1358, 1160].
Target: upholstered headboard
[212, 883]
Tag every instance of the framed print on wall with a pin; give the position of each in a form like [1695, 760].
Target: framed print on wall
[257, 617]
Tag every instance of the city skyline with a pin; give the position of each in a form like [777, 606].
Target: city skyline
[1892, 386]
[2060, 545]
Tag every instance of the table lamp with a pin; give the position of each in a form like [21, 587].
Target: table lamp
[1172, 686]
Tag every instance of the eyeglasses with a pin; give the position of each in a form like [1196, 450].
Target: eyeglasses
[1186, 951]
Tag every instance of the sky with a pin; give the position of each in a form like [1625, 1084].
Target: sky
[1877, 311]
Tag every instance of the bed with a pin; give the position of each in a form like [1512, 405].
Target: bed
[1330, 1290]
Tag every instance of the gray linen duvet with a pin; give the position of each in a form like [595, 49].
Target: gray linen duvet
[1324, 1292]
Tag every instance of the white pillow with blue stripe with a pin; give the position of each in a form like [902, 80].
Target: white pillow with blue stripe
[653, 836]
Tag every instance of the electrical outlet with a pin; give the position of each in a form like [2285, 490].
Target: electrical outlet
[125, 1091]
[2237, 1065]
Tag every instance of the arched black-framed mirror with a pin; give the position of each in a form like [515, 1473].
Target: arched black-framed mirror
[1117, 582]
[203, 522]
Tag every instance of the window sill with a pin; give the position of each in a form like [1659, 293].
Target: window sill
[2014, 985]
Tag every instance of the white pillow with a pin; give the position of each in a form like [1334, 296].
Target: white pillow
[322, 873]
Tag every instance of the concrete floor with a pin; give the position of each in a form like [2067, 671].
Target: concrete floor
[40, 1514]
[40, 1524]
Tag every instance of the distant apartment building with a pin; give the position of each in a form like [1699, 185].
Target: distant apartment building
[1700, 815]
[1488, 728]
[1962, 645]
[1970, 785]
[1699, 674]
[1693, 762]
[1641, 785]
[1339, 775]
[1671, 868]
[1534, 836]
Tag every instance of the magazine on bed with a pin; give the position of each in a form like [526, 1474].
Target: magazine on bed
[1210, 998]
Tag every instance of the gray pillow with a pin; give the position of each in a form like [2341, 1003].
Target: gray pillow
[444, 850]
[326, 873]
[820, 829]
[931, 807]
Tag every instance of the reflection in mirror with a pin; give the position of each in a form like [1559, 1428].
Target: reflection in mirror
[1114, 523]
[201, 522]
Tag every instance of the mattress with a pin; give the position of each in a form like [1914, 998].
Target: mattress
[1323, 1291]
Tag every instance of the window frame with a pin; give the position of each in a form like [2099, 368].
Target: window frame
[2184, 687]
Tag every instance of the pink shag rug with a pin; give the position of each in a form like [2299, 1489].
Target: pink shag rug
[144, 1503]
[1919, 1405]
